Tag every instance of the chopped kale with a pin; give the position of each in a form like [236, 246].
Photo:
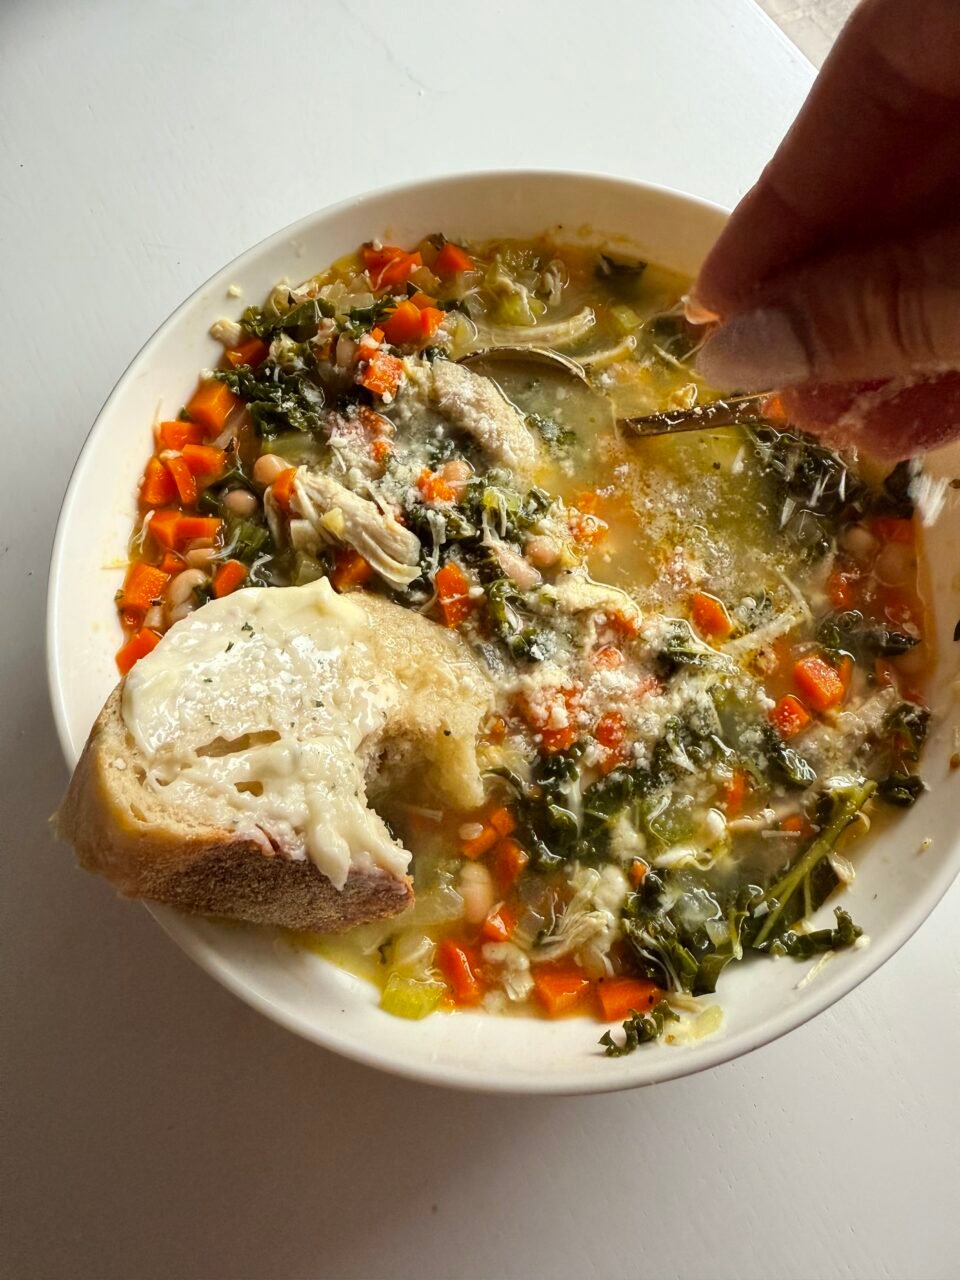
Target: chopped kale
[849, 632]
[559, 440]
[639, 1028]
[803, 946]
[786, 763]
[901, 789]
[267, 321]
[277, 400]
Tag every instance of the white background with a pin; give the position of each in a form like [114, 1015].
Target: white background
[155, 1126]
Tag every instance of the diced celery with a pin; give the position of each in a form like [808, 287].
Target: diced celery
[625, 317]
[306, 568]
[296, 447]
[410, 998]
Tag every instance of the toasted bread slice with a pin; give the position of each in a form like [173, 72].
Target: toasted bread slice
[174, 798]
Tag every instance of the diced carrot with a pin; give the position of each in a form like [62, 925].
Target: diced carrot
[891, 528]
[171, 562]
[554, 740]
[818, 683]
[453, 587]
[503, 822]
[509, 861]
[560, 989]
[477, 846]
[251, 352]
[142, 587]
[431, 318]
[158, 485]
[131, 619]
[381, 450]
[206, 462]
[610, 729]
[389, 265]
[282, 488]
[637, 872]
[841, 589]
[404, 325]
[183, 478]
[789, 716]
[587, 502]
[798, 823]
[191, 527]
[451, 260]
[735, 793]
[625, 624]
[434, 488]
[499, 924]
[211, 405]
[174, 435]
[350, 570]
[164, 526]
[607, 658]
[458, 964]
[710, 616]
[619, 997]
[136, 647]
[423, 300]
[382, 374]
[228, 577]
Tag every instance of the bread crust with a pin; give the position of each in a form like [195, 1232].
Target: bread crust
[120, 831]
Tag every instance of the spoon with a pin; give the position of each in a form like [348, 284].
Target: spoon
[733, 411]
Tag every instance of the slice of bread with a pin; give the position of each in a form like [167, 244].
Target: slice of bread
[141, 816]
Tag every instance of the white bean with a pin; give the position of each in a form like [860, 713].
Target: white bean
[181, 588]
[241, 502]
[476, 889]
[860, 543]
[895, 564]
[201, 557]
[268, 467]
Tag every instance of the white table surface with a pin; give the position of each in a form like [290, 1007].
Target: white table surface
[156, 1127]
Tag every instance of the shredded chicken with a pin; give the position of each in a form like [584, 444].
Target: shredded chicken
[340, 516]
[474, 405]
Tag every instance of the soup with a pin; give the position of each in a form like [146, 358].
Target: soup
[708, 649]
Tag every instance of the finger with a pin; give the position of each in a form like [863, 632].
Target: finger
[878, 313]
[892, 421]
[876, 147]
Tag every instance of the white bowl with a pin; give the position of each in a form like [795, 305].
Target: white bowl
[897, 884]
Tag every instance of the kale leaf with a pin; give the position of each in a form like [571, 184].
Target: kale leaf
[639, 1028]
[802, 946]
[849, 632]
[276, 399]
[901, 789]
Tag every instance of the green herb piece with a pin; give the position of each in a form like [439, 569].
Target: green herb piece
[267, 321]
[639, 1028]
[802, 946]
[786, 763]
[559, 440]
[901, 789]
[277, 400]
[848, 632]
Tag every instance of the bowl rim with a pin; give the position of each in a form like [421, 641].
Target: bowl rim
[708, 1053]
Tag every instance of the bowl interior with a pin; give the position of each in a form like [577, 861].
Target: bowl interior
[900, 878]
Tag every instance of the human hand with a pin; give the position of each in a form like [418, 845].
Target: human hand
[838, 275]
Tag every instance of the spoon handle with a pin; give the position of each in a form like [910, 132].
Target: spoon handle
[737, 411]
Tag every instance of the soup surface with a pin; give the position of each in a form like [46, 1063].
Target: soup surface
[708, 648]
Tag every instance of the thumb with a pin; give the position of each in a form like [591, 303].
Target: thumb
[880, 312]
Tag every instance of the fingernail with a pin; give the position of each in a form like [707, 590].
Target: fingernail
[696, 313]
[754, 351]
